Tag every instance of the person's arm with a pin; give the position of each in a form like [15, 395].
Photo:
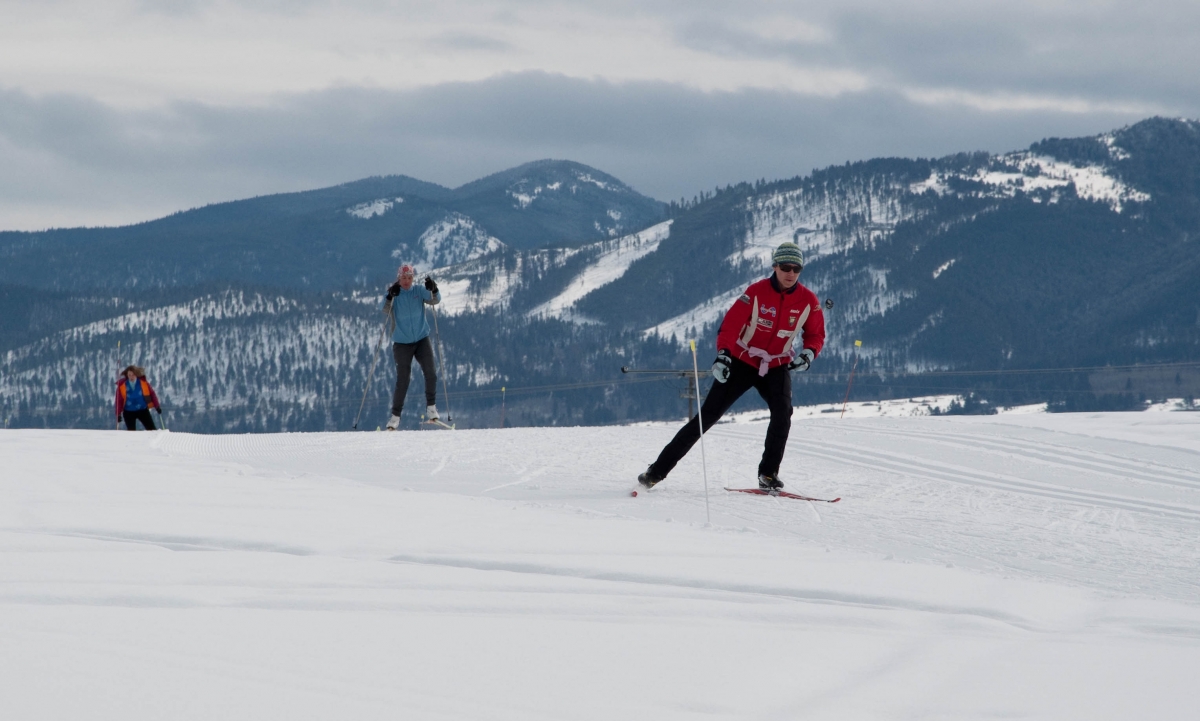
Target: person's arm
[392, 291]
[154, 398]
[735, 320]
[119, 403]
[813, 337]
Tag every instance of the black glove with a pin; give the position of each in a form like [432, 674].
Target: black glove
[722, 366]
[430, 285]
[393, 290]
[158, 410]
[803, 360]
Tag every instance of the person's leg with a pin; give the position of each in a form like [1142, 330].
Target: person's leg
[424, 353]
[403, 353]
[146, 419]
[776, 389]
[720, 397]
[130, 420]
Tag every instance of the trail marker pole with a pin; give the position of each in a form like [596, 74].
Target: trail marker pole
[857, 345]
[700, 420]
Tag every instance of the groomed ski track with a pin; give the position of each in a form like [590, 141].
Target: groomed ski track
[1033, 566]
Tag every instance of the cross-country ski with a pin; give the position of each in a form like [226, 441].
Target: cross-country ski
[781, 494]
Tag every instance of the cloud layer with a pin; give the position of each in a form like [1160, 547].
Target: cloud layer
[130, 111]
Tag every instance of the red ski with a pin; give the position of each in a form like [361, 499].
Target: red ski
[785, 494]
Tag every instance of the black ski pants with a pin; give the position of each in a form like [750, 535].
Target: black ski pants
[132, 417]
[775, 388]
[404, 353]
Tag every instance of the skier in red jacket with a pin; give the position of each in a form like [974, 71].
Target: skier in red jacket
[776, 326]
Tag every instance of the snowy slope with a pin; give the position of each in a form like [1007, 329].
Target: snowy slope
[612, 259]
[453, 239]
[1035, 566]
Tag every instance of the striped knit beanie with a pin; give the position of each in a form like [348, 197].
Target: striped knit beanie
[787, 253]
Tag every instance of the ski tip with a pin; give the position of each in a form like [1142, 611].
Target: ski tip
[633, 493]
[836, 499]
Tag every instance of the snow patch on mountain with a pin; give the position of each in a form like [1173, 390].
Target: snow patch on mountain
[373, 208]
[1025, 172]
[819, 222]
[943, 268]
[587, 178]
[612, 260]
[452, 240]
[1115, 151]
[525, 197]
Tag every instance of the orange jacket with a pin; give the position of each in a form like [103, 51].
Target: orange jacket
[147, 392]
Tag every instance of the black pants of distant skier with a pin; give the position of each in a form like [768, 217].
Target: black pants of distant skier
[404, 353]
[775, 388]
[132, 417]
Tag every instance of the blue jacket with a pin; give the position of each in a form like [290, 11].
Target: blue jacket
[408, 311]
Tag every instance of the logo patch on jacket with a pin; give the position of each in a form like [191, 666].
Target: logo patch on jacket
[766, 323]
[767, 311]
[745, 299]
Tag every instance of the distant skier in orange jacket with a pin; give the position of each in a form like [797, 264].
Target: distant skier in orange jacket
[776, 326]
[135, 398]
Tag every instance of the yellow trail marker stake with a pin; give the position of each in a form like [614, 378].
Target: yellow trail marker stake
[857, 345]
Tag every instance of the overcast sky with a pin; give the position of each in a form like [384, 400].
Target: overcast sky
[119, 111]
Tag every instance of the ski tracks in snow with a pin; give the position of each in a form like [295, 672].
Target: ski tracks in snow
[993, 495]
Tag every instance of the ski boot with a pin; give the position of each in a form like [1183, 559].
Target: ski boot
[649, 479]
[431, 413]
[769, 482]
[393, 423]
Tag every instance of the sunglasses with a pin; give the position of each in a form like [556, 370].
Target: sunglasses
[789, 268]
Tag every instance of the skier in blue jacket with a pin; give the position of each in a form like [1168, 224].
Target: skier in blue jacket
[406, 303]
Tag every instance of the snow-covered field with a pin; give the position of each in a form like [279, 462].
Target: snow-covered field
[1015, 566]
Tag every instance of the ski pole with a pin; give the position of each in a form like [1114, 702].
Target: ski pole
[700, 420]
[437, 336]
[371, 373]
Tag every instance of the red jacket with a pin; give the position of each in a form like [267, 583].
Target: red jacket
[784, 322]
[147, 392]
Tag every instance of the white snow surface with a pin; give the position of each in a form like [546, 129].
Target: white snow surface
[613, 259]
[1024, 566]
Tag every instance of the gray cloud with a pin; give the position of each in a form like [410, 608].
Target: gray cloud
[471, 42]
[1102, 52]
[67, 160]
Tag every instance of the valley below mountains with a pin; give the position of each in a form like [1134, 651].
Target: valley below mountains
[1067, 272]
